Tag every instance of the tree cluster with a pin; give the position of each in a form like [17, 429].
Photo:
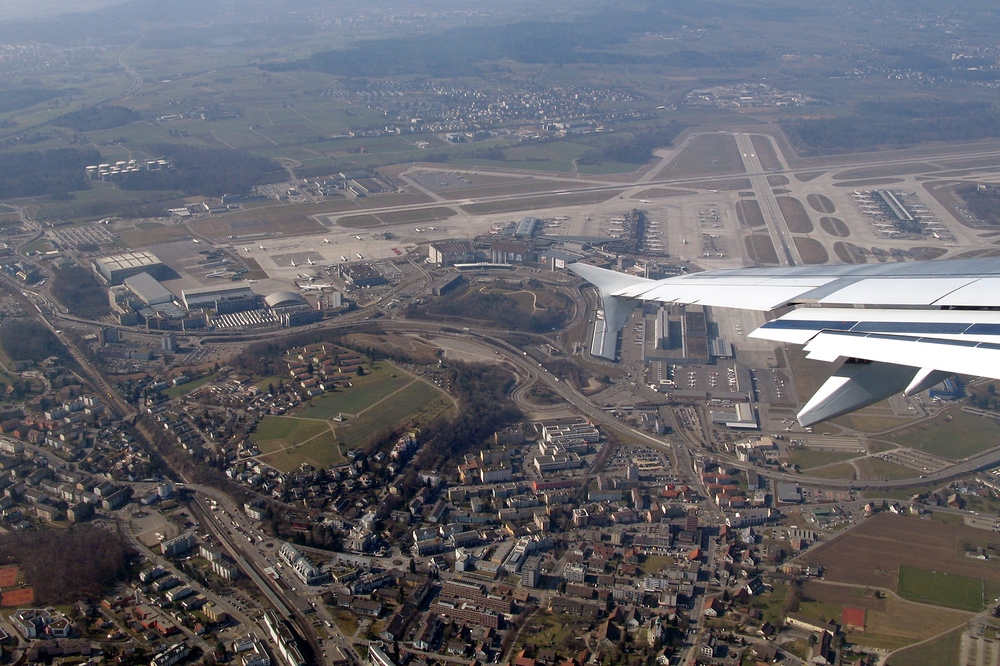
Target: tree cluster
[78, 290]
[210, 172]
[97, 118]
[896, 124]
[63, 566]
[498, 309]
[29, 340]
[484, 408]
[52, 172]
[594, 38]
[20, 98]
[984, 202]
[637, 150]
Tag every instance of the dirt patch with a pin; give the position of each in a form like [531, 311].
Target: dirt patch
[973, 254]
[396, 217]
[140, 238]
[419, 350]
[821, 203]
[795, 215]
[8, 576]
[254, 271]
[749, 213]
[727, 185]
[806, 177]
[761, 249]
[777, 181]
[872, 553]
[535, 203]
[892, 170]
[24, 596]
[660, 192]
[282, 220]
[850, 253]
[842, 595]
[707, 155]
[765, 152]
[834, 226]
[870, 181]
[927, 253]
[811, 250]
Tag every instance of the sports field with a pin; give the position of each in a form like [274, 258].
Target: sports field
[942, 589]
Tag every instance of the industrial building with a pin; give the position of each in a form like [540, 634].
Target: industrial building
[224, 300]
[361, 275]
[148, 289]
[741, 416]
[507, 251]
[283, 299]
[116, 268]
[448, 252]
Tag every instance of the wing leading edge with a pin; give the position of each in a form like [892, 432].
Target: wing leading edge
[918, 322]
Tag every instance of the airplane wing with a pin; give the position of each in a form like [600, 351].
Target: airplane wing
[902, 327]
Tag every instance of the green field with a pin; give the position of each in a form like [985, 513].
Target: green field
[807, 458]
[418, 402]
[930, 587]
[280, 432]
[963, 436]
[320, 451]
[178, 391]
[876, 468]
[385, 398]
[365, 392]
[840, 471]
[941, 651]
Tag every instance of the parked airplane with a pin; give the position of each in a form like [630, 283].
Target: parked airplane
[326, 240]
[310, 262]
[918, 323]
[314, 287]
[195, 240]
[261, 247]
[359, 256]
[292, 262]
[246, 249]
[343, 258]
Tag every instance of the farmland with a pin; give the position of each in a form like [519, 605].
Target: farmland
[872, 553]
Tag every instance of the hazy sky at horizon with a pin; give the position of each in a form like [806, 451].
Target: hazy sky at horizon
[11, 9]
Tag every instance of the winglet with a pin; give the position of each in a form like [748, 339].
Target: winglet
[616, 308]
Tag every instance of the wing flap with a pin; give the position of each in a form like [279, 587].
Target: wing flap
[981, 359]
